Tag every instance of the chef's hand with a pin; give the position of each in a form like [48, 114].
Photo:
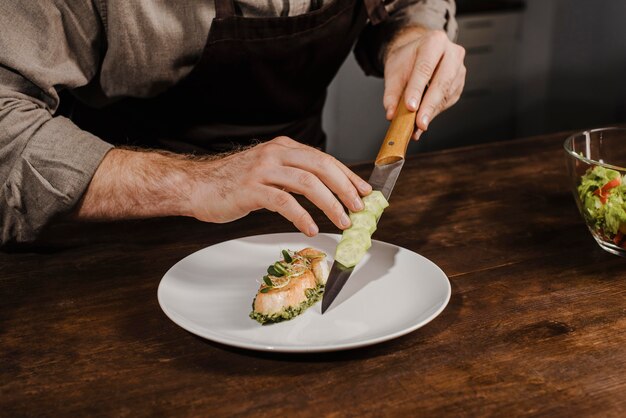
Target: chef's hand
[417, 58]
[265, 176]
[132, 183]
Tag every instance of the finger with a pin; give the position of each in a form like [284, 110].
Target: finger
[450, 100]
[417, 134]
[362, 186]
[457, 91]
[395, 80]
[338, 178]
[457, 88]
[426, 61]
[313, 154]
[285, 204]
[439, 92]
[309, 185]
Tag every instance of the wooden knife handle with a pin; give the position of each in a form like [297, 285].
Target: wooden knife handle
[398, 136]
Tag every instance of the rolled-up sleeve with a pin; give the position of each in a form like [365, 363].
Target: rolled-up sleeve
[431, 14]
[46, 162]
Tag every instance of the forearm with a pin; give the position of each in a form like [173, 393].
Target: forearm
[140, 184]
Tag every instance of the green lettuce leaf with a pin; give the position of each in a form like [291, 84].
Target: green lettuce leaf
[603, 216]
[594, 179]
[614, 213]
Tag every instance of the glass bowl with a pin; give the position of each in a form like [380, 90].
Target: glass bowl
[596, 162]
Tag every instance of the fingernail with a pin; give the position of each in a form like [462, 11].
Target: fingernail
[345, 221]
[417, 134]
[365, 188]
[358, 203]
[413, 104]
[313, 230]
[425, 121]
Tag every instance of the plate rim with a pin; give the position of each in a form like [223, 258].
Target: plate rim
[233, 342]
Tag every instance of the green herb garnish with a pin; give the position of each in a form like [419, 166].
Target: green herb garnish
[280, 268]
[273, 271]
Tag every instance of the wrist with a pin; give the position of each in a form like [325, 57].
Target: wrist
[178, 183]
[208, 188]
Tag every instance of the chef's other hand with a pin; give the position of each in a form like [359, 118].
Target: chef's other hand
[418, 58]
[265, 176]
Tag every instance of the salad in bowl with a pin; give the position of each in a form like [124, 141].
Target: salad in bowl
[595, 162]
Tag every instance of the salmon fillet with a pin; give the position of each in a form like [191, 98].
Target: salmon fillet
[283, 297]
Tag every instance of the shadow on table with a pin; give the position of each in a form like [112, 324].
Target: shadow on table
[420, 336]
[231, 361]
[369, 272]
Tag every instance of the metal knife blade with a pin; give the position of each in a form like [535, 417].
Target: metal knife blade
[339, 275]
[383, 178]
[388, 165]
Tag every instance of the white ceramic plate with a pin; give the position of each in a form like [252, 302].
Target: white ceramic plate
[392, 292]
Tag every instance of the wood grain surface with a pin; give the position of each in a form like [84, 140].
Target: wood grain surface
[398, 135]
[536, 325]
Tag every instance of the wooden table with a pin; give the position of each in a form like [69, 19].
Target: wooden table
[536, 324]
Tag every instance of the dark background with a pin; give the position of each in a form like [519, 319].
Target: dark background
[534, 67]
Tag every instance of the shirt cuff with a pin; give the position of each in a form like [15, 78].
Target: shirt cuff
[48, 178]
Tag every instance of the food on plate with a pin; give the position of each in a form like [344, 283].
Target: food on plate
[602, 193]
[356, 240]
[291, 286]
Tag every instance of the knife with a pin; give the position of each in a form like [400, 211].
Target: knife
[387, 168]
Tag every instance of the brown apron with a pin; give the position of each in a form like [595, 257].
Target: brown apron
[257, 78]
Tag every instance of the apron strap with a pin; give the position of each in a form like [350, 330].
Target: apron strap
[224, 8]
[375, 11]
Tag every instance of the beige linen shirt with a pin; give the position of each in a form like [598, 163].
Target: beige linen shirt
[103, 50]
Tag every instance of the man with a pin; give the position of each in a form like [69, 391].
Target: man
[143, 75]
